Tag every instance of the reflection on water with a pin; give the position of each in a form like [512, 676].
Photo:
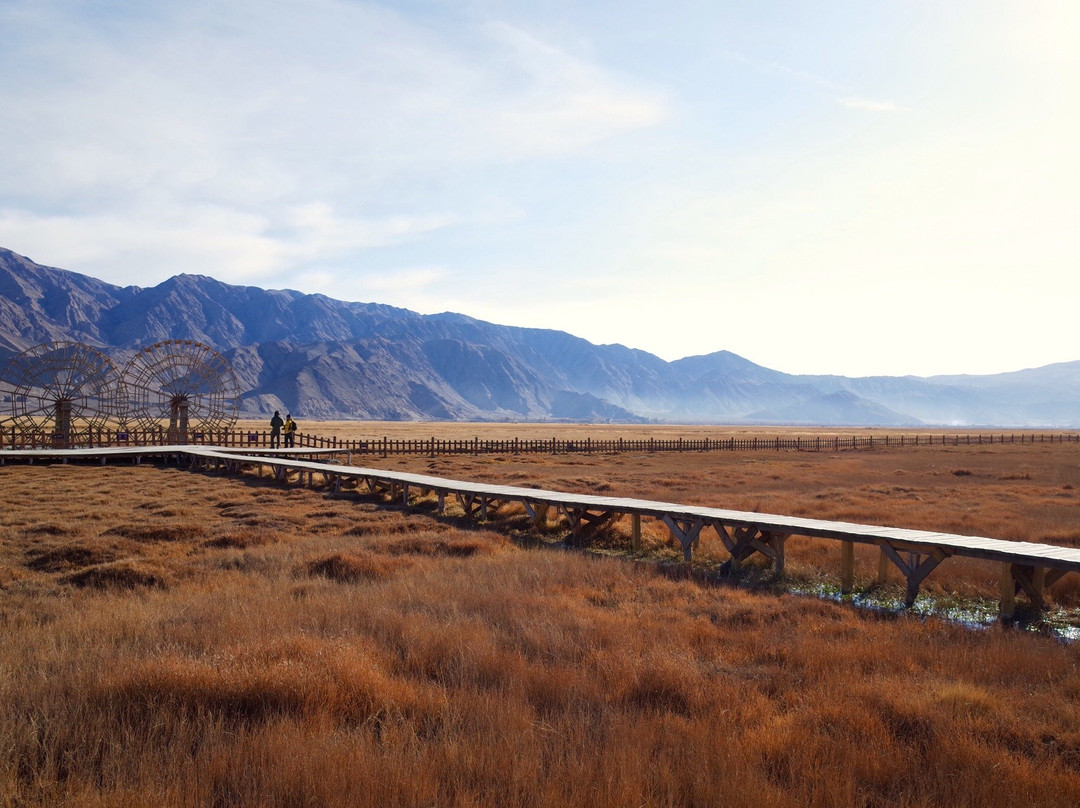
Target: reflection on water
[1061, 624]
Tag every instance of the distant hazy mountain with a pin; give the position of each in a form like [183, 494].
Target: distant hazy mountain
[323, 358]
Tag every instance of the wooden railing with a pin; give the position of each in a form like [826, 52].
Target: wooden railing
[435, 446]
[12, 438]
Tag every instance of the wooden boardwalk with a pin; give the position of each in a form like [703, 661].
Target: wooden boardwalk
[1025, 567]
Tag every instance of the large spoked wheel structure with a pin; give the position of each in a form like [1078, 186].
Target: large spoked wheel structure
[61, 393]
[183, 387]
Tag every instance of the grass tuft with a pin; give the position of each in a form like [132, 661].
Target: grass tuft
[355, 567]
[69, 557]
[118, 575]
[153, 532]
[453, 545]
[241, 539]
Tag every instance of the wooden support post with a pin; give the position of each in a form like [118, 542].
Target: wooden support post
[442, 503]
[635, 533]
[778, 542]
[883, 567]
[847, 567]
[1007, 608]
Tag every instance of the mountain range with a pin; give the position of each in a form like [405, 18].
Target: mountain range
[321, 358]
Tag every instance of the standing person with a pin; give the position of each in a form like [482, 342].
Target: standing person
[275, 430]
[290, 431]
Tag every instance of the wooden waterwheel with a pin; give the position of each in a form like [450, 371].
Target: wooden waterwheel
[61, 393]
[183, 387]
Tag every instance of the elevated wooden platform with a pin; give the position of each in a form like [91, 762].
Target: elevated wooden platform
[1024, 566]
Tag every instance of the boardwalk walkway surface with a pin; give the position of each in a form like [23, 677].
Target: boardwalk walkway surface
[1024, 566]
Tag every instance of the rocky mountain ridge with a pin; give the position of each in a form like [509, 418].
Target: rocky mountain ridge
[323, 358]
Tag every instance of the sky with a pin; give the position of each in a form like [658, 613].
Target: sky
[856, 187]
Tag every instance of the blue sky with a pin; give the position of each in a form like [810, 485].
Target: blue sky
[874, 187]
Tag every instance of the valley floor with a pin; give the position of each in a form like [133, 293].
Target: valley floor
[176, 638]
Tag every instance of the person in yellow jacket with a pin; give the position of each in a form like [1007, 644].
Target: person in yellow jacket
[290, 431]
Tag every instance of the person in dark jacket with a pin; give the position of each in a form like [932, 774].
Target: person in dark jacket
[275, 430]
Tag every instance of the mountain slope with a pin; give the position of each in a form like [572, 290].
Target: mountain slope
[41, 304]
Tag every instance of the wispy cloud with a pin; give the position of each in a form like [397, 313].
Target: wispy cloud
[830, 87]
[870, 105]
[562, 102]
[777, 68]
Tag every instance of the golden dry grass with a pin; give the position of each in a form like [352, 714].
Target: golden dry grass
[173, 638]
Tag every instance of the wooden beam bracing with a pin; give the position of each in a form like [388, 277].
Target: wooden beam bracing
[476, 506]
[686, 531]
[915, 565]
[586, 522]
[743, 541]
[1032, 580]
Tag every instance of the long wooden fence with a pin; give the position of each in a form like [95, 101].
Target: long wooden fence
[11, 438]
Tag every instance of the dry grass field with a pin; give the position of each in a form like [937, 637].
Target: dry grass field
[183, 639]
